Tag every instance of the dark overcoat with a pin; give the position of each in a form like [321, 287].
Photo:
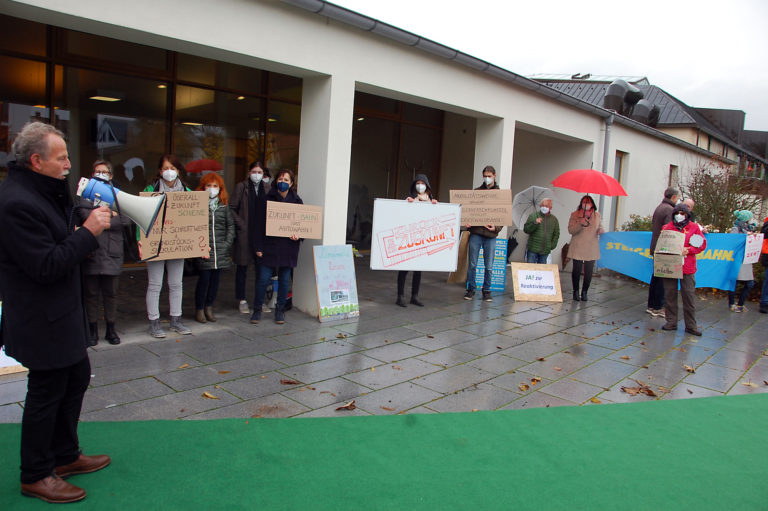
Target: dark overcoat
[278, 251]
[243, 251]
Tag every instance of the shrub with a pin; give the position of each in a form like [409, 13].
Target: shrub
[638, 223]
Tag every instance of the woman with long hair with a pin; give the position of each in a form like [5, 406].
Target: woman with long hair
[585, 225]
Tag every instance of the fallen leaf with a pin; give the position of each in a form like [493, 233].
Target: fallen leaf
[536, 379]
[430, 336]
[689, 391]
[498, 332]
[512, 371]
[322, 338]
[642, 388]
[689, 368]
[625, 357]
[373, 369]
[637, 327]
[387, 408]
[348, 406]
[475, 410]
[224, 372]
[208, 395]
[749, 384]
[541, 359]
[341, 336]
[325, 391]
[387, 340]
[523, 387]
[499, 347]
[632, 391]
[595, 400]
[290, 382]
[263, 376]
[397, 368]
[309, 387]
[765, 382]
[183, 366]
[642, 343]
[255, 416]
[557, 368]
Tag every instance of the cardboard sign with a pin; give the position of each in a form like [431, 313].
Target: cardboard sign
[753, 248]
[670, 242]
[484, 207]
[668, 266]
[499, 270]
[335, 283]
[185, 230]
[418, 236]
[536, 282]
[285, 219]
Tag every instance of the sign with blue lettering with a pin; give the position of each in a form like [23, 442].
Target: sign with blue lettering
[336, 282]
[499, 277]
[629, 253]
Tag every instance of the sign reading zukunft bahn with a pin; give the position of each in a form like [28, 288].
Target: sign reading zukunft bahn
[484, 207]
[286, 219]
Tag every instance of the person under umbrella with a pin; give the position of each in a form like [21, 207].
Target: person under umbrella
[584, 225]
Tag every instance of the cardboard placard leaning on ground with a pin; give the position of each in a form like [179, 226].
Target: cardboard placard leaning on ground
[184, 230]
[286, 219]
[668, 257]
[484, 207]
[536, 282]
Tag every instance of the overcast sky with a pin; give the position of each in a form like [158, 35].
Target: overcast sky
[706, 53]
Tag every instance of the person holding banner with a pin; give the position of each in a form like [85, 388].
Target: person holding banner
[277, 253]
[221, 234]
[746, 275]
[420, 192]
[482, 236]
[167, 180]
[695, 242]
[585, 225]
[764, 262]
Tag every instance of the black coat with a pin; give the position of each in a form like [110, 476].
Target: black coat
[278, 251]
[242, 251]
[43, 324]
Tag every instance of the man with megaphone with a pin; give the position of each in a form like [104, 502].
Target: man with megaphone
[43, 323]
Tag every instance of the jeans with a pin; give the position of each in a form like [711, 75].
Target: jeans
[155, 270]
[49, 423]
[746, 288]
[283, 285]
[476, 241]
[534, 258]
[207, 288]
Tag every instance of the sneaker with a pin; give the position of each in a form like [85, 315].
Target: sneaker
[648, 310]
[469, 294]
[178, 327]
[264, 308]
[243, 307]
[733, 307]
[256, 316]
[487, 296]
[155, 330]
[741, 308]
[659, 313]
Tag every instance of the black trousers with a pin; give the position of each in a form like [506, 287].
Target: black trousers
[656, 293]
[106, 285]
[415, 282]
[589, 267]
[49, 424]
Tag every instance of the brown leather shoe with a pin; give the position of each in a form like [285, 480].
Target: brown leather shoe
[83, 465]
[199, 316]
[53, 489]
[209, 314]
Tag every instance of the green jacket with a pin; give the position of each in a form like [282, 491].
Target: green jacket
[221, 235]
[542, 238]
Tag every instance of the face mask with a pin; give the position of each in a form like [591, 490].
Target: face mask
[101, 175]
[170, 175]
[256, 177]
[587, 206]
[679, 218]
[213, 191]
[488, 181]
[544, 210]
[282, 186]
[266, 180]
[421, 188]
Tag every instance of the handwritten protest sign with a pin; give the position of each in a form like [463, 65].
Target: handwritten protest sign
[668, 258]
[484, 207]
[336, 283]
[286, 219]
[417, 236]
[753, 248]
[185, 229]
[536, 282]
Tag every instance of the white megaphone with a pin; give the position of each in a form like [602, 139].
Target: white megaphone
[142, 210]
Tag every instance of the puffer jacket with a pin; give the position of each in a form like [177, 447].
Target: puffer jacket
[108, 259]
[543, 237]
[221, 235]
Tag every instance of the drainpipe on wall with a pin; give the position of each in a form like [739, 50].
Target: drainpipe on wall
[606, 149]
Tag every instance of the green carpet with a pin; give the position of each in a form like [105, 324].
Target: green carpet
[696, 454]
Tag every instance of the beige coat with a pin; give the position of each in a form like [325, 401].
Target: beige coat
[584, 245]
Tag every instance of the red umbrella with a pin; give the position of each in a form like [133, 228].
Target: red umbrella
[203, 165]
[589, 181]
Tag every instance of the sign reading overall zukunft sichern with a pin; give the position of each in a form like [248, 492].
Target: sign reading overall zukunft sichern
[499, 276]
[336, 283]
[185, 228]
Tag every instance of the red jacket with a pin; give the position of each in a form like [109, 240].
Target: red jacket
[689, 263]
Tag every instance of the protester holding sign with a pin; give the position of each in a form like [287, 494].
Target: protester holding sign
[167, 180]
[221, 234]
[746, 276]
[279, 254]
[764, 262]
[482, 236]
[585, 225]
[694, 243]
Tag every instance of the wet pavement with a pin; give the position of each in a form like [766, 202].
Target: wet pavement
[450, 356]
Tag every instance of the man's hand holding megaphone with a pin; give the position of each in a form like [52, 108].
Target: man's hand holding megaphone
[99, 220]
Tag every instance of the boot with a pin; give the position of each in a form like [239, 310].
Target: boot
[200, 316]
[415, 300]
[179, 327]
[209, 314]
[155, 330]
[256, 316]
[575, 295]
[111, 334]
[401, 301]
[93, 334]
[279, 315]
[583, 295]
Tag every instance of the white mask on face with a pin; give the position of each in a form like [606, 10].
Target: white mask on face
[256, 177]
[421, 188]
[587, 206]
[488, 181]
[213, 191]
[544, 209]
[679, 218]
[266, 180]
[102, 175]
[170, 175]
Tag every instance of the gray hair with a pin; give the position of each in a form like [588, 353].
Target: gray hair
[32, 139]
[103, 162]
[545, 199]
[671, 192]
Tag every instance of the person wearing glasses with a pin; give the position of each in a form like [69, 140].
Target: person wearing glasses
[584, 225]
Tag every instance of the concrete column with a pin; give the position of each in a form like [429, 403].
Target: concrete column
[324, 153]
[494, 145]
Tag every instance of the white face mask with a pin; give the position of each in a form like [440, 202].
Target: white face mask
[213, 191]
[421, 188]
[544, 210]
[587, 206]
[170, 175]
[266, 180]
[679, 218]
[256, 177]
[101, 175]
[488, 181]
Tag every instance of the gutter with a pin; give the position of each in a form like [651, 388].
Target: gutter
[368, 24]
